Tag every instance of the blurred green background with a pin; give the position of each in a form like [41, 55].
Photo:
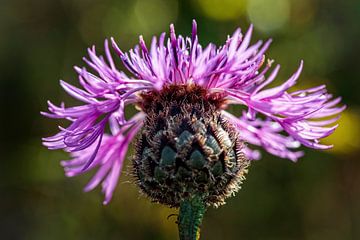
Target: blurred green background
[316, 198]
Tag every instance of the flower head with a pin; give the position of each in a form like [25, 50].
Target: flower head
[277, 119]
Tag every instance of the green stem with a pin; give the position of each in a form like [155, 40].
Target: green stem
[190, 216]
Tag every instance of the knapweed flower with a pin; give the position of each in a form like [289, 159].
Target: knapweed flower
[187, 143]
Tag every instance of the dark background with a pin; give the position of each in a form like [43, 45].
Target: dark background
[40, 41]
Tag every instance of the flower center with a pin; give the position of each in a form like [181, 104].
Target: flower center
[178, 95]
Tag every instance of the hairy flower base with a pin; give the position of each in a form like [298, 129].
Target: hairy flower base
[187, 147]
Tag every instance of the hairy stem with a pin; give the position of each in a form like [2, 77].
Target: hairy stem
[190, 216]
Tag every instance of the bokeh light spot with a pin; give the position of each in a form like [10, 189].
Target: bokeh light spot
[346, 137]
[154, 15]
[222, 10]
[267, 15]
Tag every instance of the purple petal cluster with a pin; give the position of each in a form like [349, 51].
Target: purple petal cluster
[277, 120]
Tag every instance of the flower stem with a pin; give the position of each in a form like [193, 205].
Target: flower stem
[190, 216]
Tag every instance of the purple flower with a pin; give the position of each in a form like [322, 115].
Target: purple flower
[278, 120]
